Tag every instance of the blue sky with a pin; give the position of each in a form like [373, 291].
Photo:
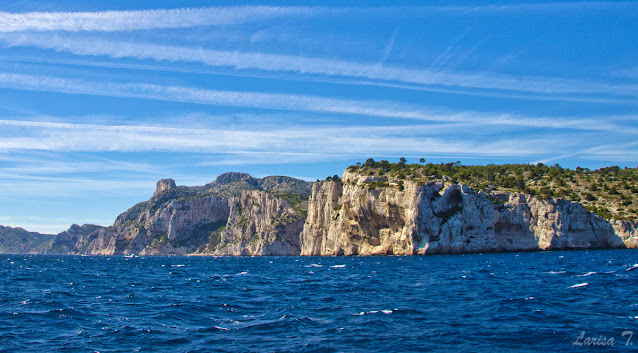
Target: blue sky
[100, 99]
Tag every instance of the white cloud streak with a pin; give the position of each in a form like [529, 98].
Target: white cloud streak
[275, 145]
[44, 166]
[109, 21]
[210, 97]
[302, 143]
[276, 63]
[276, 101]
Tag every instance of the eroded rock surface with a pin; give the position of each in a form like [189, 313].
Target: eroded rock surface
[351, 217]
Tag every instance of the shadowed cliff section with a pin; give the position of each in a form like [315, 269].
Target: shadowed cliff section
[20, 241]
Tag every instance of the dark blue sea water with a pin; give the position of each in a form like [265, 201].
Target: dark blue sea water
[491, 302]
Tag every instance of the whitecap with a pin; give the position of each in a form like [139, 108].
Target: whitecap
[385, 311]
[555, 272]
[529, 298]
[314, 265]
[587, 274]
[338, 266]
[242, 273]
[579, 285]
[632, 267]
[178, 265]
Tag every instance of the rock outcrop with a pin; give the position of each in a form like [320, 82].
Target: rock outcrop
[72, 241]
[352, 216]
[164, 185]
[234, 215]
[357, 215]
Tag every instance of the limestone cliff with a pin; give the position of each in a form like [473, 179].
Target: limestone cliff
[234, 215]
[258, 224]
[71, 241]
[398, 210]
[357, 216]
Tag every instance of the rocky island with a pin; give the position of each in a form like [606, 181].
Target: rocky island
[374, 208]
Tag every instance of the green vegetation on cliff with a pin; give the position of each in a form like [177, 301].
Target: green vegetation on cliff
[610, 192]
[20, 241]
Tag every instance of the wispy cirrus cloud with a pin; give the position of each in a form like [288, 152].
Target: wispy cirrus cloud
[110, 21]
[274, 144]
[46, 166]
[372, 72]
[296, 142]
[277, 101]
[435, 122]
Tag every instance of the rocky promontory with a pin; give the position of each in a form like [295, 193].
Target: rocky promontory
[377, 208]
[348, 217]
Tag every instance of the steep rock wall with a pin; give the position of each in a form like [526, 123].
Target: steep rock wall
[258, 224]
[234, 215]
[355, 216]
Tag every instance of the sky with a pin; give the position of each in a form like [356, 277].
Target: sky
[100, 99]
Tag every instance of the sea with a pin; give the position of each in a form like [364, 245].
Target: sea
[573, 301]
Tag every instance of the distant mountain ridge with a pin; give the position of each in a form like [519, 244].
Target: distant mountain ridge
[376, 208]
[20, 241]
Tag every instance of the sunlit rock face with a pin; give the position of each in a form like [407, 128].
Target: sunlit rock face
[164, 185]
[353, 216]
[234, 215]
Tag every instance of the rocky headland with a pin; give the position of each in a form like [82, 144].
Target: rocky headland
[377, 208]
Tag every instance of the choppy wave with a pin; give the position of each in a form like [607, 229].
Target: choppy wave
[587, 274]
[584, 284]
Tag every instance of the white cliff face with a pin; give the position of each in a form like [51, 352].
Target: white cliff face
[174, 227]
[180, 220]
[259, 224]
[346, 218]
[322, 207]
[253, 223]
[350, 218]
